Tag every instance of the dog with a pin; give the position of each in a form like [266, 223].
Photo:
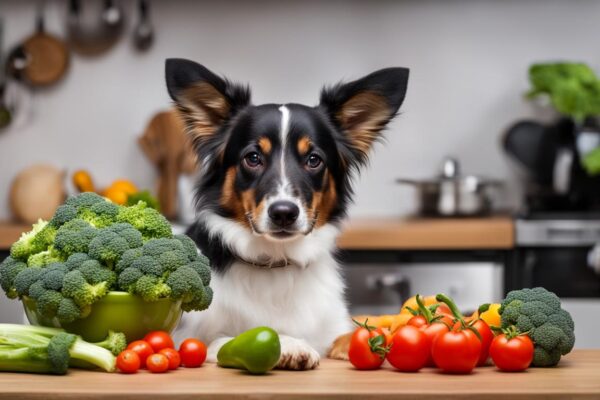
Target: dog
[275, 182]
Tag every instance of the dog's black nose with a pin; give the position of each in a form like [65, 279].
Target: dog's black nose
[283, 213]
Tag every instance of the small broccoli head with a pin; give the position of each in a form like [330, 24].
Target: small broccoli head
[59, 351]
[129, 233]
[48, 302]
[25, 279]
[128, 278]
[127, 259]
[68, 311]
[115, 342]
[200, 302]
[76, 287]
[149, 266]
[53, 276]
[171, 260]
[107, 247]
[75, 260]
[85, 200]
[63, 214]
[203, 270]
[155, 247]
[74, 237]
[189, 246]
[151, 288]
[148, 221]
[538, 313]
[9, 269]
[100, 214]
[27, 243]
[95, 273]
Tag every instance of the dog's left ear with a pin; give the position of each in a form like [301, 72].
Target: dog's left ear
[361, 109]
[205, 100]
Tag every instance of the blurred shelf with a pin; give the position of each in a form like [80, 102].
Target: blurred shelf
[492, 233]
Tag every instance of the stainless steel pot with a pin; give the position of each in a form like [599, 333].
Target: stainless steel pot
[452, 194]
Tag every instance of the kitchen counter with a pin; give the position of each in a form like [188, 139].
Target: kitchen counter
[577, 377]
[496, 232]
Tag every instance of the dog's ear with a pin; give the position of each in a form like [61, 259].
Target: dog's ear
[361, 109]
[205, 101]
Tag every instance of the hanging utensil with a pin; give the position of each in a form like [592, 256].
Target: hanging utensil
[143, 35]
[94, 27]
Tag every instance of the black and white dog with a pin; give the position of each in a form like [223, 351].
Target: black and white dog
[275, 182]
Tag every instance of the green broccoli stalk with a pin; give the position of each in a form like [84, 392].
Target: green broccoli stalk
[538, 312]
[46, 350]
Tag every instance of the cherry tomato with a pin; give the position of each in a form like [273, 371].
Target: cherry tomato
[159, 340]
[367, 347]
[128, 362]
[157, 363]
[192, 353]
[143, 350]
[430, 331]
[173, 357]
[487, 336]
[456, 351]
[409, 349]
[512, 354]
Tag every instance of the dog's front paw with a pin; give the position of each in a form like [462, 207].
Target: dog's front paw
[296, 354]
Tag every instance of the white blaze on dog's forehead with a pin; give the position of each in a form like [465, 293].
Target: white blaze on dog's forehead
[283, 133]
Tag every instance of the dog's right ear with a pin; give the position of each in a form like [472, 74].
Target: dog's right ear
[205, 101]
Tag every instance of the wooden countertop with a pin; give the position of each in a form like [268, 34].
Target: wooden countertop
[496, 232]
[576, 377]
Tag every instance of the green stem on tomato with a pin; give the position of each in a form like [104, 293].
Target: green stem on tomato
[450, 303]
[364, 325]
[426, 312]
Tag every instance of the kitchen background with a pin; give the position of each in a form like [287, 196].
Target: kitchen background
[468, 61]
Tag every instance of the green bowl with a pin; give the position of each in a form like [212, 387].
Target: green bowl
[117, 311]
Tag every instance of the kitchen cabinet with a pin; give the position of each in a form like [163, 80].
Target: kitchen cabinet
[575, 378]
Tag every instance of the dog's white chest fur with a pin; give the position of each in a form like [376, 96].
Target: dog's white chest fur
[304, 300]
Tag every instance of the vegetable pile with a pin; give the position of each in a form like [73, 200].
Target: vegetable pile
[92, 246]
[51, 351]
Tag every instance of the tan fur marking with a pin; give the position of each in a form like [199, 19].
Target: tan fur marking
[229, 198]
[324, 201]
[303, 145]
[265, 145]
[363, 117]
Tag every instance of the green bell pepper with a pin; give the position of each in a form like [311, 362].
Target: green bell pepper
[256, 350]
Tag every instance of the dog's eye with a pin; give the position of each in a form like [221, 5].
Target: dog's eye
[313, 161]
[253, 160]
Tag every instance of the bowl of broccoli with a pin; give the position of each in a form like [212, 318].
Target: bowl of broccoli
[96, 266]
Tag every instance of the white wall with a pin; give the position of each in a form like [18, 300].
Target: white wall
[468, 63]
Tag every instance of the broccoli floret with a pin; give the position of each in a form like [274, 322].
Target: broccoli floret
[9, 269]
[189, 246]
[149, 266]
[76, 287]
[27, 245]
[115, 342]
[148, 221]
[95, 273]
[63, 214]
[44, 258]
[100, 214]
[184, 283]
[151, 288]
[156, 247]
[68, 311]
[52, 278]
[128, 279]
[107, 247]
[538, 313]
[129, 233]
[25, 279]
[74, 237]
[203, 270]
[85, 200]
[127, 258]
[201, 301]
[36, 290]
[171, 260]
[48, 303]
[75, 260]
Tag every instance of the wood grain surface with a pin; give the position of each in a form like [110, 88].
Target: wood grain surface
[576, 377]
[495, 232]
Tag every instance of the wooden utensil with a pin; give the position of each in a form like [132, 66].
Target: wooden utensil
[166, 145]
[47, 56]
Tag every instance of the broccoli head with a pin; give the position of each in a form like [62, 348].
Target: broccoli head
[63, 214]
[75, 260]
[44, 258]
[84, 200]
[108, 247]
[127, 259]
[74, 237]
[148, 221]
[25, 279]
[538, 312]
[129, 233]
[83, 292]
[9, 269]
[100, 214]
[28, 244]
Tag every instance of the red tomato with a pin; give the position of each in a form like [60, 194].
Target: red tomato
[512, 354]
[192, 353]
[409, 349]
[143, 350]
[487, 336]
[173, 357]
[128, 362]
[159, 340]
[430, 331]
[157, 363]
[367, 348]
[456, 351]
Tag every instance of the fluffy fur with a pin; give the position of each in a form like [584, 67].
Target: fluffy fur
[275, 182]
